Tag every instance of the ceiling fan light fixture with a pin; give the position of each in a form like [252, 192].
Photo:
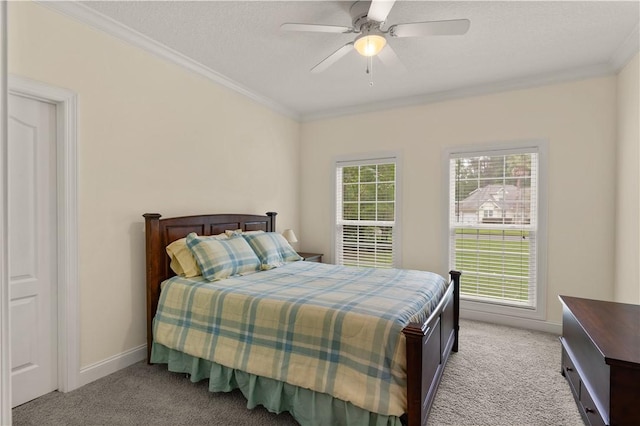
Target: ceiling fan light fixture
[369, 44]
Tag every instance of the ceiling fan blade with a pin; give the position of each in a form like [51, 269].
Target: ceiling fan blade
[390, 59]
[379, 9]
[418, 29]
[318, 28]
[333, 58]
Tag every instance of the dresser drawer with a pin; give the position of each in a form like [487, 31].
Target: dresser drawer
[569, 371]
[589, 407]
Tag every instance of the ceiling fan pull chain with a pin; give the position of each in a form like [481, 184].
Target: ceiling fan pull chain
[370, 70]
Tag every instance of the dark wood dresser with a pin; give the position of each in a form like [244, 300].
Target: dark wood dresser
[601, 359]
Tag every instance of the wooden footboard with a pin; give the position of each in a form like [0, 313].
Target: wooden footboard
[428, 348]
[428, 345]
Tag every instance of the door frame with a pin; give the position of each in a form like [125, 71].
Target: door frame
[5, 361]
[65, 102]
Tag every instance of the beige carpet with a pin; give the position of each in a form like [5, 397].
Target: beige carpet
[500, 376]
[504, 376]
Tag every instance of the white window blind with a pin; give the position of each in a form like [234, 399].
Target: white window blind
[493, 224]
[366, 212]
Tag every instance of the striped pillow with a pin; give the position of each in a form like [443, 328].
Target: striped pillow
[219, 259]
[272, 249]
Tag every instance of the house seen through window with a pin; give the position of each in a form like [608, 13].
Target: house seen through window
[493, 225]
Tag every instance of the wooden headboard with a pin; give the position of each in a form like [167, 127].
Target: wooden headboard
[162, 232]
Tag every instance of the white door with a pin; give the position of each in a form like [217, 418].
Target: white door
[32, 248]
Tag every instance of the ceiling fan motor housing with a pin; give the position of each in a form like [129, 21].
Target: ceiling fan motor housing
[359, 15]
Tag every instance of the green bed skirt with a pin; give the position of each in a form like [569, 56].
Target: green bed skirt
[306, 406]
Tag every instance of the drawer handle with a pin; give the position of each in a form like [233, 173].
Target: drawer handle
[589, 410]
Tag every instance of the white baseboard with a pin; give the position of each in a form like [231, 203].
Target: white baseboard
[112, 364]
[529, 324]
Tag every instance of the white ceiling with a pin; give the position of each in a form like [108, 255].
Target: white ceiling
[509, 44]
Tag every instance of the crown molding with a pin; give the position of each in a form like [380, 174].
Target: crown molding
[625, 52]
[618, 60]
[525, 82]
[116, 29]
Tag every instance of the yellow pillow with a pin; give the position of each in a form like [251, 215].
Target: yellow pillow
[182, 261]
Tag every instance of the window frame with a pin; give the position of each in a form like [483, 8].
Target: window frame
[363, 159]
[504, 148]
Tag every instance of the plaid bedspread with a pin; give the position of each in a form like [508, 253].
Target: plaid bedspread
[327, 328]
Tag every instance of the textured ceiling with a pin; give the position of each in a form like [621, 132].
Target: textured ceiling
[509, 44]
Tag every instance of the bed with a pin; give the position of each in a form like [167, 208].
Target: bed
[427, 343]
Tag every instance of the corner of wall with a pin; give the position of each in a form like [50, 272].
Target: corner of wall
[627, 226]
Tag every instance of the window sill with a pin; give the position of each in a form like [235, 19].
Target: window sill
[501, 309]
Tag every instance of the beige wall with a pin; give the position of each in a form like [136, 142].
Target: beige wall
[627, 282]
[577, 119]
[152, 137]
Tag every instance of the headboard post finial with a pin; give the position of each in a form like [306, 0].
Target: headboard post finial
[272, 216]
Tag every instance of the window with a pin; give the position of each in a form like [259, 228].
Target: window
[366, 212]
[495, 227]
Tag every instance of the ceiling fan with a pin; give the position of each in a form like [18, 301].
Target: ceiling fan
[368, 18]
